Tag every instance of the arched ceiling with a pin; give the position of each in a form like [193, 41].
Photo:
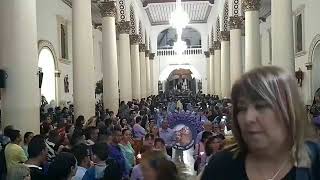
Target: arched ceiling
[159, 11]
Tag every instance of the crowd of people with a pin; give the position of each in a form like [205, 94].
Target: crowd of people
[137, 142]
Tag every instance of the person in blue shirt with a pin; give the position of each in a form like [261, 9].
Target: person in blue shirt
[116, 154]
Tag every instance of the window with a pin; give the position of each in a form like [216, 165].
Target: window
[299, 44]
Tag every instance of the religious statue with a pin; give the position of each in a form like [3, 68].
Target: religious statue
[299, 76]
[66, 84]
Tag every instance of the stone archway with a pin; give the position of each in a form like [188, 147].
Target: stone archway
[314, 65]
[49, 65]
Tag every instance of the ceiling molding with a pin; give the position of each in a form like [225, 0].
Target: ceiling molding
[147, 2]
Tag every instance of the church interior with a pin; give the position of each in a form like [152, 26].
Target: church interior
[87, 54]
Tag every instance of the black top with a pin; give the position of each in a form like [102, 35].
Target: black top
[36, 173]
[224, 166]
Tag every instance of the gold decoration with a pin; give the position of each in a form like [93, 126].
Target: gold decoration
[147, 52]
[151, 56]
[251, 5]
[225, 35]
[134, 39]
[124, 27]
[108, 9]
[236, 22]
[211, 51]
[216, 45]
[142, 47]
[207, 54]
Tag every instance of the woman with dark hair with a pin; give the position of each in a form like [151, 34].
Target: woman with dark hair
[126, 147]
[63, 167]
[155, 166]
[26, 139]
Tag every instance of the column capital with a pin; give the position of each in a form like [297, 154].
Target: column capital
[147, 53]
[57, 73]
[236, 22]
[142, 47]
[211, 51]
[217, 45]
[151, 56]
[134, 39]
[251, 5]
[124, 27]
[207, 54]
[225, 35]
[108, 9]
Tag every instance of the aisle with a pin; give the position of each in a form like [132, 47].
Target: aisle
[184, 161]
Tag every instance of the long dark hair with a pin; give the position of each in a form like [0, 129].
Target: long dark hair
[112, 170]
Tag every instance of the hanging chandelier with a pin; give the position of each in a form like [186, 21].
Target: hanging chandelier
[179, 19]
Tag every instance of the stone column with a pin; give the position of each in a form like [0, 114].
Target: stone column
[20, 98]
[282, 34]
[217, 67]
[151, 59]
[135, 66]
[124, 68]
[212, 70]
[225, 63]
[83, 60]
[109, 56]
[235, 48]
[252, 31]
[207, 54]
[148, 73]
[143, 70]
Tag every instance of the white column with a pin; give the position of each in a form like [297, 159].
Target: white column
[19, 58]
[282, 35]
[212, 71]
[235, 49]
[143, 70]
[207, 54]
[124, 68]
[225, 63]
[83, 60]
[151, 59]
[135, 66]
[252, 31]
[148, 73]
[109, 57]
[217, 67]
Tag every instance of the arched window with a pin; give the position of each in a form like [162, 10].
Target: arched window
[168, 36]
[46, 64]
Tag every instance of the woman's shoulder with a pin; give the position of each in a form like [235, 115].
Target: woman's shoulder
[221, 164]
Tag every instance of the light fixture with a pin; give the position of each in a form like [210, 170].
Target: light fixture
[179, 19]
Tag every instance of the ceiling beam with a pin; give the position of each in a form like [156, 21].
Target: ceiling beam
[146, 2]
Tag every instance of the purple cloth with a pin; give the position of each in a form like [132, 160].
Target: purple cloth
[116, 154]
[138, 131]
[137, 173]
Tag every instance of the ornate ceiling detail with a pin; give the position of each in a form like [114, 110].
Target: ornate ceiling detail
[236, 22]
[226, 17]
[251, 5]
[159, 13]
[108, 9]
[124, 27]
[134, 39]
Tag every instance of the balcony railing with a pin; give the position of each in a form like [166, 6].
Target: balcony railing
[171, 52]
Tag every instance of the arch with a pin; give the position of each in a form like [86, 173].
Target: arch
[168, 36]
[236, 8]
[212, 37]
[47, 44]
[225, 22]
[218, 29]
[164, 74]
[141, 33]
[314, 60]
[133, 25]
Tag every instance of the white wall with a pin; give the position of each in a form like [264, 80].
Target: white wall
[47, 11]
[311, 29]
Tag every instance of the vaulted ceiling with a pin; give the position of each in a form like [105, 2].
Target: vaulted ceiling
[159, 11]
